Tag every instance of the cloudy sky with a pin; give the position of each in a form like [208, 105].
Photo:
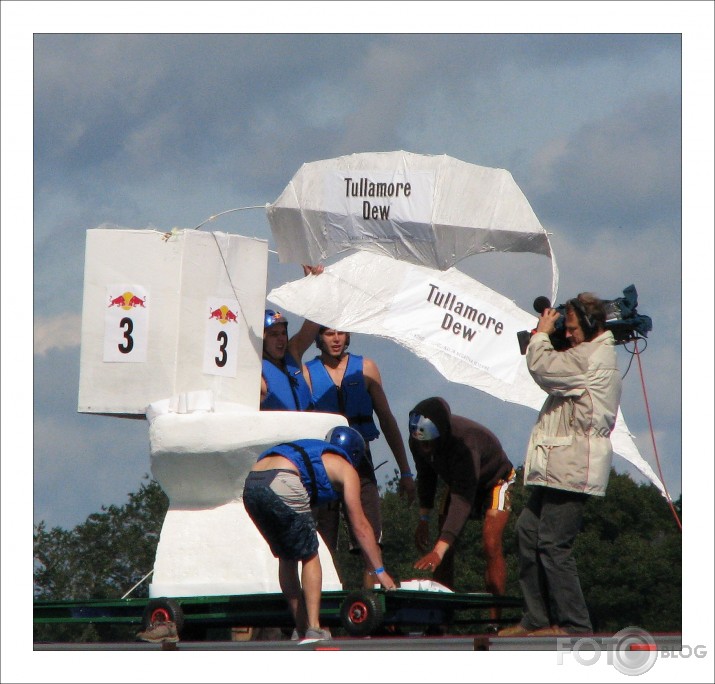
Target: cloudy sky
[164, 130]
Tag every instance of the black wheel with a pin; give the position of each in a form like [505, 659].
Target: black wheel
[361, 613]
[163, 610]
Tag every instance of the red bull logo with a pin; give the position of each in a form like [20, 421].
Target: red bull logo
[223, 315]
[127, 301]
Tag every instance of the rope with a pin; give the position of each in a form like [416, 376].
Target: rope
[218, 247]
[138, 583]
[228, 211]
[652, 434]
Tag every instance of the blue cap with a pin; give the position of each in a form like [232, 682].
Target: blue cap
[274, 318]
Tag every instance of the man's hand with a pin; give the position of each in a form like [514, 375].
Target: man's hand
[547, 321]
[422, 536]
[386, 581]
[428, 562]
[314, 270]
[407, 488]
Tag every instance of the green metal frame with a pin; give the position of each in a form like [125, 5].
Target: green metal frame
[270, 610]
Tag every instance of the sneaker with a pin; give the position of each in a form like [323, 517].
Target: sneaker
[295, 636]
[313, 634]
[515, 630]
[160, 633]
[491, 629]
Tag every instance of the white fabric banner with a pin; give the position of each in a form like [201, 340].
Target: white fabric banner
[355, 200]
[410, 304]
[441, 316]
[430, 210]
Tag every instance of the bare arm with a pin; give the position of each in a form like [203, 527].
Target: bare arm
[301, 341]
[345, 476]
[389, 426]
[264, 389]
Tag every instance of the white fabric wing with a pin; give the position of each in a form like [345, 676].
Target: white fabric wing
[463, 328]
[431, 210]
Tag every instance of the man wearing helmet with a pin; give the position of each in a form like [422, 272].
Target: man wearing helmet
[470, 460]
[351, 385]
[283, 383]
[285, 482]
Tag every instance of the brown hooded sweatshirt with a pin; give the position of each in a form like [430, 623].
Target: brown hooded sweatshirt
[468, 457]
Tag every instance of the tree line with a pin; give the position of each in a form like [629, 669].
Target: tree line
[629, 557]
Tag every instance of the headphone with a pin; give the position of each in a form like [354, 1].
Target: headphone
[588, 323]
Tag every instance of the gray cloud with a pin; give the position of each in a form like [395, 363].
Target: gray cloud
[623, 171]
[166, 130]
[58, 332]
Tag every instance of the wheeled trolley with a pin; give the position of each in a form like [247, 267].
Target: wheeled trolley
[361, 612]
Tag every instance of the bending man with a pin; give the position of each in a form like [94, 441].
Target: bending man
[470, 460]
[279, 491]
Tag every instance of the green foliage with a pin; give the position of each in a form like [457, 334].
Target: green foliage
[629, 553]
[103, 557]
[629, 556]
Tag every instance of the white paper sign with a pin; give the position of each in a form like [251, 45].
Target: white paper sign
[382, 206]
[439, 315]
[221, 339]
[126, 324]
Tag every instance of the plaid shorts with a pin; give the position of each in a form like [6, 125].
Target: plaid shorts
[279, 505]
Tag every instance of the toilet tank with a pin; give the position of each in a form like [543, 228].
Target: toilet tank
[166, 314]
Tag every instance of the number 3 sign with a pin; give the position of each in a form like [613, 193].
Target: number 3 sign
[126, 324]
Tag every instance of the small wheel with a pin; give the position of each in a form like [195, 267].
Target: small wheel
[361, 613]
[163, 610]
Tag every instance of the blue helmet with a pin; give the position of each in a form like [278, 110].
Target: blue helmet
[273, 318]
[349, 440]
[422, 429]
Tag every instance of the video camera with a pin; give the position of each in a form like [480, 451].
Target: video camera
[622, 320]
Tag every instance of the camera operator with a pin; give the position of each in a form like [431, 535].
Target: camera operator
[568, 459]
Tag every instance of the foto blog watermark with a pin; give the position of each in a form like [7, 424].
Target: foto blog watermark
[632, 651]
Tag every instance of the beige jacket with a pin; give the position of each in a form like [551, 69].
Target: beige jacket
[570, 445]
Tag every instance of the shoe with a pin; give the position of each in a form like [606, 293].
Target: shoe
[295, 636]
[554, 630]
[313, 634]
[160, 633]
[491, 629]
[515, 630]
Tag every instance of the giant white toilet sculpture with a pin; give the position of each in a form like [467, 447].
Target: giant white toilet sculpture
[172, 331]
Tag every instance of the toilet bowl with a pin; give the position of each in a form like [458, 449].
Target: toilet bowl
[209, 545]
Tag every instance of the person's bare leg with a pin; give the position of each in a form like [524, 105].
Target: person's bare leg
[312, 581]
[290, 586]
[495, 575]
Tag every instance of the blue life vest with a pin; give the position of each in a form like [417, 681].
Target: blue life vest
[306, 455]
[352, 401]
[287, 390]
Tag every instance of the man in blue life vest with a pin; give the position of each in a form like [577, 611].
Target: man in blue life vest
[286, 481]
[283, 382]
[351, 385]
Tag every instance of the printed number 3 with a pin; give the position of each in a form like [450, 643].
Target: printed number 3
[126, 347]
[222, 337]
